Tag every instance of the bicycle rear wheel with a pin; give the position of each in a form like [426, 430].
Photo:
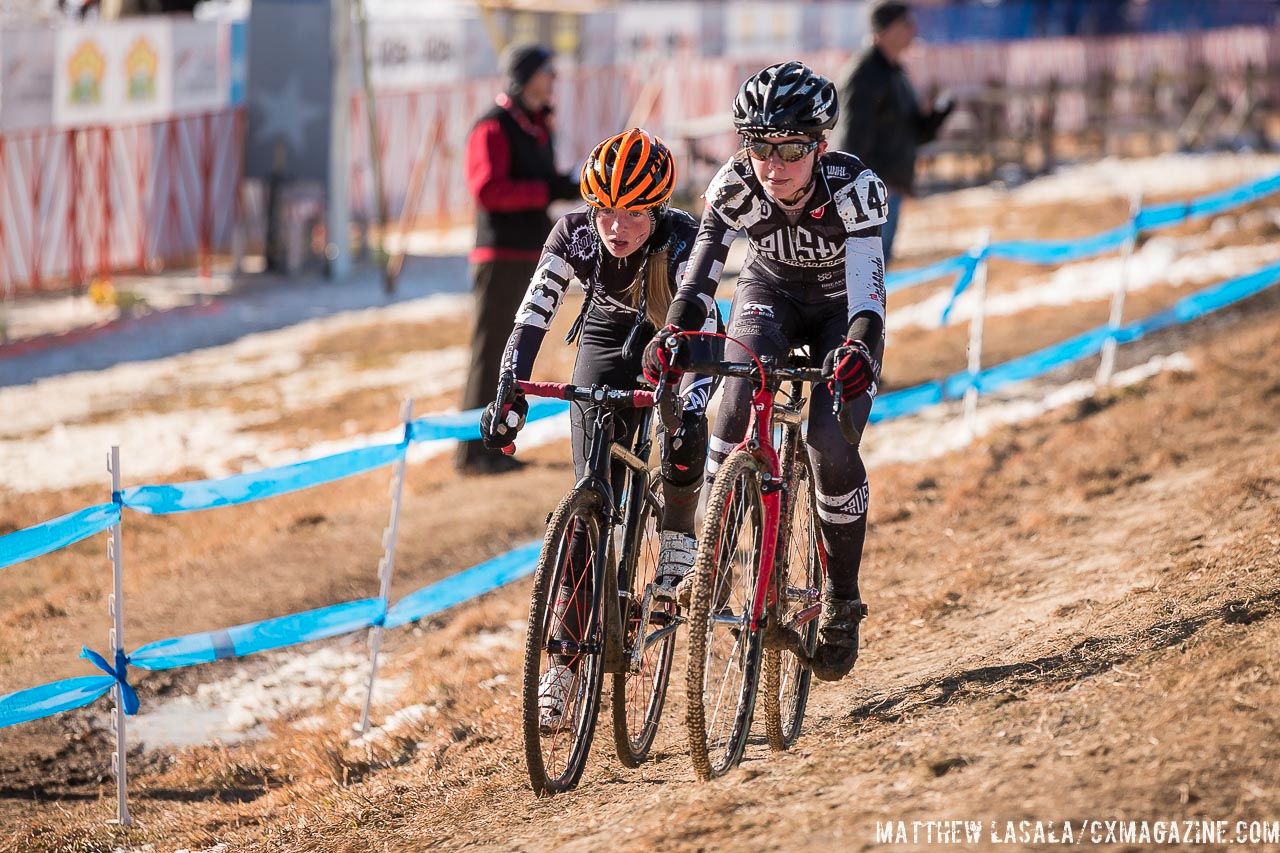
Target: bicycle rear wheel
[798, 577]
[564, 643]
[640, 691]
[724, 651]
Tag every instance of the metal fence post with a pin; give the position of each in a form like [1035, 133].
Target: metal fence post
[115, 604]
[386, 566]
[975, 337]
[1107, 365]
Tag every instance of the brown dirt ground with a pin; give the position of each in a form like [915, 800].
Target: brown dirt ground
[1074, 618]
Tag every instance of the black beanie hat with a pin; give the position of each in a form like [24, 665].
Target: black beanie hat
[522, 61]
[888, 13]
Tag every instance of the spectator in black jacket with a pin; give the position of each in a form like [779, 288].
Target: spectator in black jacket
[883, 122]
[511, 172]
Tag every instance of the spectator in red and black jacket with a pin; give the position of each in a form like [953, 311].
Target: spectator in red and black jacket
[511, 173]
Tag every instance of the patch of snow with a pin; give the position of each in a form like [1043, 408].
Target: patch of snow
[234, 708]
[406, 717]
[1161, 260]
[938, 430]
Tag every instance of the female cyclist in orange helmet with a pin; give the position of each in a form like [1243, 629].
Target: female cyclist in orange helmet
[628, 248]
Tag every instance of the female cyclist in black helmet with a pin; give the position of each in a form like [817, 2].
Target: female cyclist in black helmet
[814, 275]
[629, 248]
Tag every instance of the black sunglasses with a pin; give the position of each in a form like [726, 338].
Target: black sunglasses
[790, 152]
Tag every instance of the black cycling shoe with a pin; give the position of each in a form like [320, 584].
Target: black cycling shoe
[837, 638]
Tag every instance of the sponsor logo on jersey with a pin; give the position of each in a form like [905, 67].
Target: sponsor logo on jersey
[801, 246]
[837, 172]
[818, 211]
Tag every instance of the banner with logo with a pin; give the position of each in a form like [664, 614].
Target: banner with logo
[658, 31]
[113, 73]
[27, 69]
[201, 66]
[763, 30]
[417, 51]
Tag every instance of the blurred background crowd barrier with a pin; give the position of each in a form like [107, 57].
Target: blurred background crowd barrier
[161, 141]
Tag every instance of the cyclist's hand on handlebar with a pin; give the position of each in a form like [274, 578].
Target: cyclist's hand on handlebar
[665, 354]
[851, 368]
[500, 422]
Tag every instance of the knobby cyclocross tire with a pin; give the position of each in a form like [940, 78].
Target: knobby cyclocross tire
[565, 570]
[785, 680]
[724, 652]
[639, 694]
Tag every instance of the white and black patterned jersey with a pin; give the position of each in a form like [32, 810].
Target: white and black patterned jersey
[572, 251]
[834, 241]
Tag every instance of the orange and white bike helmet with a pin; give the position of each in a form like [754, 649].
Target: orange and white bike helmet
[633, 170]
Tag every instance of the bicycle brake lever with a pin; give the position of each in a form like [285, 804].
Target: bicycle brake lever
[844, 417]
[662, 399]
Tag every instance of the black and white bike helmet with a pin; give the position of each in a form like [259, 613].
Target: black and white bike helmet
[789, 97]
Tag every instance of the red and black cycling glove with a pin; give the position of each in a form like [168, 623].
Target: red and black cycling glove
[499, 423]
[851, 368]
[659, 358]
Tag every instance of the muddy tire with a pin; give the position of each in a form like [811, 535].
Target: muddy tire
[798, 585]
[564, 630]
[640, 693]
[724, 652]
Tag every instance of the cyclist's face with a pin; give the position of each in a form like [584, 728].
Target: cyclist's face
[781, 179]
[623, 231]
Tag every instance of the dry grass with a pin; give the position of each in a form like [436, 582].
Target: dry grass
[1073, 618]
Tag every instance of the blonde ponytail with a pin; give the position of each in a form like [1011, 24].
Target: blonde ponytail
[658, 289]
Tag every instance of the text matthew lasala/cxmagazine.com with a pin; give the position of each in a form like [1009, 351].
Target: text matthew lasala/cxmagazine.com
[1090, 831]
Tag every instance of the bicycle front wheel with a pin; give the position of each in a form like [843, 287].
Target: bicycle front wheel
[640, 690]
[724, 650]
[563, 652]
[798, 578]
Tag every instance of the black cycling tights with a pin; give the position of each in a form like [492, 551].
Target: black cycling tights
[771, 322]
[601, 360]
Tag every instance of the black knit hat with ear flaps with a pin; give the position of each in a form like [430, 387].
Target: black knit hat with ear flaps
[521, 62]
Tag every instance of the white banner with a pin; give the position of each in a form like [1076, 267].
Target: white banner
[27, 70]
[655, 31]
[416, 51]
[201, 67]
[116, 73]
[767, 31]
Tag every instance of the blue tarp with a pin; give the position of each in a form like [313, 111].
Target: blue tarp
[1010, 20]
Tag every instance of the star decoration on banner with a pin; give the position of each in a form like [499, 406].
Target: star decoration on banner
[286, 112]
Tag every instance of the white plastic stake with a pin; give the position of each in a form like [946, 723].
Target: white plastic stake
[115, 604]
[1108, 363]
[386, 566]
[975, 336]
